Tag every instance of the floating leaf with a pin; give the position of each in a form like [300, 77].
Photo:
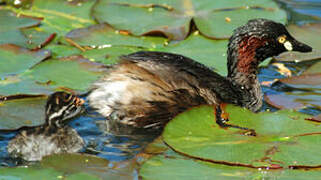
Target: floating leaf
[315, 68]
[60, 16]
[14, 62]
[89, 164]
[163, 168]
[74, 72]
[304, 92]
[101, 43]
[28, 173]
[17, 85]
[285, 101]
[11, 24]
[37, 39]
[215, 19]
[160, 167]
[41, 173]
[71, 167]
[316, 118]
[60, 51]
[212, 53]
[15, 59]
[102, 35]
[195, 134]
[108, 55]
[308, 79]
[297, 56]
[22, 112]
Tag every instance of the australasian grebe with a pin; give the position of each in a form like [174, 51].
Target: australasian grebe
[146, 89]
[54, 136]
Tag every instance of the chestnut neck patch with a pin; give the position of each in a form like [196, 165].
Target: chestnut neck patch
[246, 54]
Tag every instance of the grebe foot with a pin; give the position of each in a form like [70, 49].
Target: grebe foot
[221, 121]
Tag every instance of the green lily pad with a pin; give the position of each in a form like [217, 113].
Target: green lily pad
[315, 68]
[160, 167]
[19, 85]
[101, 43]
[71, 167]
[36, 38]
[89, 164]
[29, 173]
[15, 59]
[163, 168]
[309, 34]
[215, 24]
[196, 134]
[22, 112]
[60, 50]
[212, 53]
[215, 19]
[60, 16]
[72, 163]
[11, 24]
[108, 55]
[73, 72]
[102, 35]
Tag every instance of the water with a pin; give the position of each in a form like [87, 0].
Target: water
[302, 11]
[121, 144]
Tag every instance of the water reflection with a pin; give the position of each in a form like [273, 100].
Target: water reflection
[111, 140]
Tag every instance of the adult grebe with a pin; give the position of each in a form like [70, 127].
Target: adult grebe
[147, 89]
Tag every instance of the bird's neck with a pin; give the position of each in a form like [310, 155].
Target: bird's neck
[243, 62]
[53, 123]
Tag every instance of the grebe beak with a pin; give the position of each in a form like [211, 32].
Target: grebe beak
[79, 101]
[298, 46]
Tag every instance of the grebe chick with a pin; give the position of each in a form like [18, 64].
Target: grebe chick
[147, 89]
[54, 136]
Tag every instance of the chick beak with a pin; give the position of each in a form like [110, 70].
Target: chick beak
[298, 46]
[79, 101]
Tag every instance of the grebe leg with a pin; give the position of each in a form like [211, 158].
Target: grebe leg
[221, 119]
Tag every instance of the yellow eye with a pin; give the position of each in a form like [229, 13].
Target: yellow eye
[282, 39]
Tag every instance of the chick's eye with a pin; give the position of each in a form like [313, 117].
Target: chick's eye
[67, 97]
[281, 39]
